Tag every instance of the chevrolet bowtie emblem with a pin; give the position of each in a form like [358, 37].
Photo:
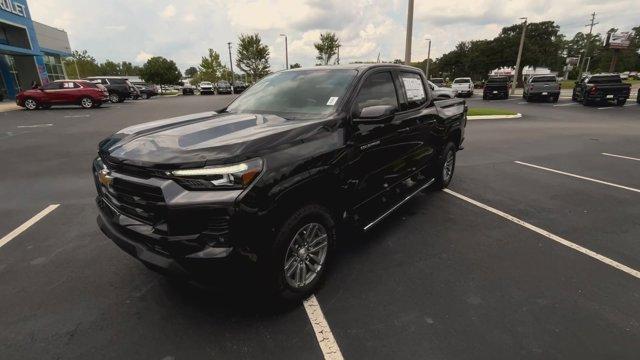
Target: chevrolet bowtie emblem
[105, 178]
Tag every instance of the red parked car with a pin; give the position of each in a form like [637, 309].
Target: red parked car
[64, 92]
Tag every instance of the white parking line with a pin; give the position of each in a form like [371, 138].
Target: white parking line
[578, 176]
[522, 103]
[607, 108]
[325, 338]
[77, 116]
[568, 104]
[556, 238]
[27, 224]
[622, 157]
[632, 104]
[35, 126]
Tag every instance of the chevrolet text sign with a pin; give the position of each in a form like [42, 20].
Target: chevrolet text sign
[14, 8]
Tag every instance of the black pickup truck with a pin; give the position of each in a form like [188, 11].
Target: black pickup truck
[258, 194]
[601, 88]
[496, 87]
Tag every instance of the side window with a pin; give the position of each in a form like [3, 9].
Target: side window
[52, 86]
[378, 89]
[68, 85]
[413, 89]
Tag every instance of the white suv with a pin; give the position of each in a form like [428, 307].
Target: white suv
[464, 85]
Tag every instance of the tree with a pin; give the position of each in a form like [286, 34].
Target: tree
[252, 56]
[109, 67]
[191, 72]
[295, 66]
[210, 68]
[83, 62]
[327, 47]
[158, 70]
[127, 68]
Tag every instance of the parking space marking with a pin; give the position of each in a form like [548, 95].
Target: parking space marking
[325, 338]
[622, 157]
[77, 116]
[34, 126]
[556, 238]
[10, 236]
[606, 108]
[632, 104]
[578, 176]
[568, 104]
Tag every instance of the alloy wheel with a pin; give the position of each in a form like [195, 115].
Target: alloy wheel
[30, 104]
[447, 169]
[114, 98]
[306, 255]
[86, 103]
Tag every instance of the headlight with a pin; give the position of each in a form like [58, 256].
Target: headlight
[233, 176]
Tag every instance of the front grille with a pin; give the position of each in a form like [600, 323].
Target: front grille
[139, 201]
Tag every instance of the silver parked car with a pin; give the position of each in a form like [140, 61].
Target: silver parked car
[442, 92]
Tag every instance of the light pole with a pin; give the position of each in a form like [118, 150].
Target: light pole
[230, 63]
[286, 51]
[426, 70]
[517, 70]
[407, 45]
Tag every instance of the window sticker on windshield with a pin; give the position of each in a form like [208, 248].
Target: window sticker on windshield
[414, 88]
[332, 100]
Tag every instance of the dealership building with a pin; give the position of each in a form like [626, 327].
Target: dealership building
[29, 51]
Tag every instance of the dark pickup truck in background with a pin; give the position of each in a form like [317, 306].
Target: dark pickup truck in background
[258, 194]
[496, 87]
[601, 88]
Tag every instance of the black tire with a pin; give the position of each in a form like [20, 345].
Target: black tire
[574, 97]
[484, 97]
[31, 104]
[144, 96]
[442, 180]
[86, 102]
[621, 102]
[506, 96]
[527, 98]
[280, 288]
[114, 98]
[555, 99]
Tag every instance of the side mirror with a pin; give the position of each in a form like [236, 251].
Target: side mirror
[375, 114]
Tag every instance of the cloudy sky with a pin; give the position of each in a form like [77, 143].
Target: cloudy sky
[183, 30]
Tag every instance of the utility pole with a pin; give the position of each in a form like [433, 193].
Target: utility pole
[338, 56]
[517, 70]
[231, 64]
[426, 70]
[586, 47]
[286, 52]
[407, 45]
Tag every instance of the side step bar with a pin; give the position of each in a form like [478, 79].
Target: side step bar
[374, 222]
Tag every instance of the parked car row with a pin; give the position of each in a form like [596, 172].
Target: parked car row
[221, 87]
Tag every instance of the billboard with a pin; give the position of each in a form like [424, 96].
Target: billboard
[618, 40]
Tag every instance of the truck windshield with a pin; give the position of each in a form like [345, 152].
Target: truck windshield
[296, 94]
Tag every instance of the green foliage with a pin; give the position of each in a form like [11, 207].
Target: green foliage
[88, 66]
[159, 70]
[210, 69]
[327, 47]
[295, 66]
[191, 72]
[252, 56]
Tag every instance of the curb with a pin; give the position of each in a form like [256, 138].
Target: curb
[494, 117]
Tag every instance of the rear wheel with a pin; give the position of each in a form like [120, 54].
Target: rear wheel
[30, 104]
[555, 98]
[144, 96]
[86, 102]
[301, 252]
[446, 167]
[621, 102]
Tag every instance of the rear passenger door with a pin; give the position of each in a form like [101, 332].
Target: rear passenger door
[416, 121]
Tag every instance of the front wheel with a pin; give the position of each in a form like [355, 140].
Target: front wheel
[30, 104]
[144, 96]
[621, 102]
[114, 98]
[301, 252]
[446, 167]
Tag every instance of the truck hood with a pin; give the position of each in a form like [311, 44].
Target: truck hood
[205, 138]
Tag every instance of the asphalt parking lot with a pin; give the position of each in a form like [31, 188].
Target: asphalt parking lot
[533, 254]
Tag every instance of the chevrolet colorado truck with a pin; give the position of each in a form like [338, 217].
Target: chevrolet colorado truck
[258, 193]
[601, 88]
[541, 87]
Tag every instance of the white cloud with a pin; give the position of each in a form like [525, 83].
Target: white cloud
[168, 12]
[143, 56]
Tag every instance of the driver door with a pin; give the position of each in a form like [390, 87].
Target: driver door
[374, 160]
[53, 92]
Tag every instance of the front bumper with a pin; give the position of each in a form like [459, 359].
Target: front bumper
[176, 231]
